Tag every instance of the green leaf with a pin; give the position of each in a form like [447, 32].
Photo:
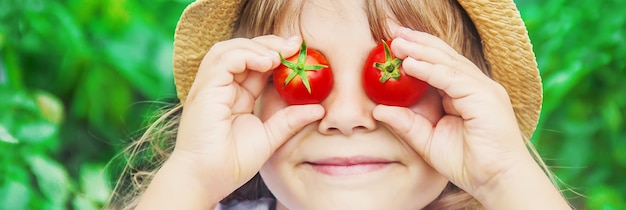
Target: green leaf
[93, 182]
[15, 187]
[15, 195]
[23, 120]
[52, 179]
[16, 100]
[50, 107]
[83, 203]
[36, 131]
[5, 136]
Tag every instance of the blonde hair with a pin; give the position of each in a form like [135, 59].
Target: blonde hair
[143, 157]
[444, 19]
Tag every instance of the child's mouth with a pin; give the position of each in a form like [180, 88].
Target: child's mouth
[346, 166]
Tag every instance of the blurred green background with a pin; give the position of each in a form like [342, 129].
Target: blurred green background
[78, 79]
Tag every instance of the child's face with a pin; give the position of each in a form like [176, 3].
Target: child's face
[306, 172]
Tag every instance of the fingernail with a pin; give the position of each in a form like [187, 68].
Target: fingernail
[410, 59]
[400, 41]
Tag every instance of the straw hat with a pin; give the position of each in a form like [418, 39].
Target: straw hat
[505, 39]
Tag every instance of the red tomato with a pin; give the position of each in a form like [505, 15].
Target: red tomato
[305, 78]
[385, 81]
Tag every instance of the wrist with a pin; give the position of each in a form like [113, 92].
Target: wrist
[197, 176]
[175, 186]
[523, 186]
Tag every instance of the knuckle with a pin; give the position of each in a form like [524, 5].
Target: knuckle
[219, 46]
[228, 44]
[216, 51]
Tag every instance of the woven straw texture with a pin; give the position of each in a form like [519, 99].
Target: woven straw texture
[505, 38]
[509, 53]
[202, 24]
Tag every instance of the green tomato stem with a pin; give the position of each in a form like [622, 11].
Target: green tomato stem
[300, 67]
[390, 68]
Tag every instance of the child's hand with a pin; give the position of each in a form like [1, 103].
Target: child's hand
[223, 143]
[478, 140]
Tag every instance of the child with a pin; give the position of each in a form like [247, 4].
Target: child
[233, 143]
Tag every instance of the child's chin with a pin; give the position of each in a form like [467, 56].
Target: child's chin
[376, 196]
[364, 201]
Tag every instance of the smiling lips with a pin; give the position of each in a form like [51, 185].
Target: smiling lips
[345, 166]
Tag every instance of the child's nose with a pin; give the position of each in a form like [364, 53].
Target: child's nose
[348, 109]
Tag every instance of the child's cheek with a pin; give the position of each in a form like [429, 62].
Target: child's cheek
[268, 103]
[429, 106]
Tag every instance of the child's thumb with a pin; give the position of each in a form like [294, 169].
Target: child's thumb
[288, 121]
[407, 125]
